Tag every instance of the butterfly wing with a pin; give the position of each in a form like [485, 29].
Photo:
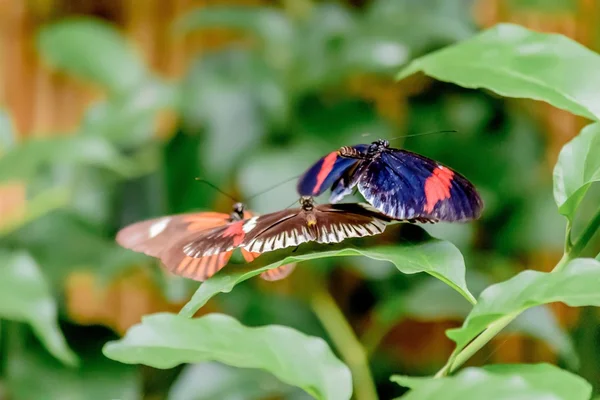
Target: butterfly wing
[167, 237]
[154, 236]
[322, 174]
[201, 255]
[198, 269]
[346, 183]
[404, 185]
[279, 273]
[274, 274]
[328, 223]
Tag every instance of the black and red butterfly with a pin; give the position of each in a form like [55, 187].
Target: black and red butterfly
[325, 223]
[400, 184]
[164, 238]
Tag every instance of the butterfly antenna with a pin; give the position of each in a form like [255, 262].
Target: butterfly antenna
[217, 189]
[423, 134]
[295, 201]
[272, 187]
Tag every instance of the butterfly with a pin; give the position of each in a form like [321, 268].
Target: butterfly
[164, 237]
[326, 223]
[400, 184]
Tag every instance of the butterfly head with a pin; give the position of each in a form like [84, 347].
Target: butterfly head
[307, 203]
[238, 212]
[378, 146]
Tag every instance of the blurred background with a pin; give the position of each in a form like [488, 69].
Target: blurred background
[110, 109]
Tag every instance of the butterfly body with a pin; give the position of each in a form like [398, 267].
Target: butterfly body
[400, 184]
[325, 223]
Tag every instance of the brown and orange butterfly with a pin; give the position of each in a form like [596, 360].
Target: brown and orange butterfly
[165, 237]
[324, 223]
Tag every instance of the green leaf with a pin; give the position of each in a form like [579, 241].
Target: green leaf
[165, 340]
[542, 6]
[36, 207]
[7, 133]
[420, 24]
[25, 297]
[92, 49]
[541, 323]
[320, 48]
[33, 375]
[225, 84]
[433, 300]
[51, 239]
[500, 382]
[578, 166]
[227, 383]
[131, 119]
[516, 62]
[269, 24]
[25, 160]
[436, 257]
[575, 285]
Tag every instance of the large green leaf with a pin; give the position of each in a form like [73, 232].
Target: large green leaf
[500, 382]
[516, 62]
[438, 258]
[577, 168]
[25, 296]
[227, 383]
[575, 285]
[165, 340]
[94, 50]
[25, 160]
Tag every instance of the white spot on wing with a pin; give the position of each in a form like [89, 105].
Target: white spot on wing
[361, 230]
[253, 246]
[323, 235]
[249, 225]
[331, 236]
[159, 226]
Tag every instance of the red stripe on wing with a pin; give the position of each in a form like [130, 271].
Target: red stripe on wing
[437, 187]
[326, 168]
[235, 230]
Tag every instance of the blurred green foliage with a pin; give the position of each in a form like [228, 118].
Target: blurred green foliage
[254, 114]
[528, 381]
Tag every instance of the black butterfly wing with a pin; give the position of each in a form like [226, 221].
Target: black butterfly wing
[348, 181]
[326, 171]
[404, 185]
[328, 223]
